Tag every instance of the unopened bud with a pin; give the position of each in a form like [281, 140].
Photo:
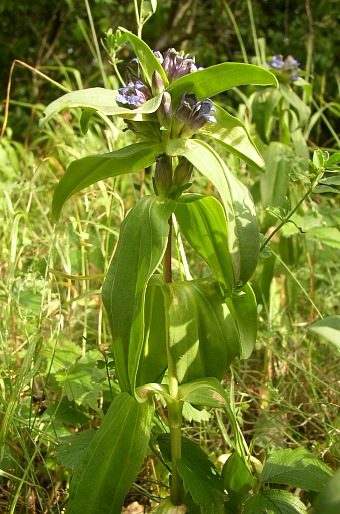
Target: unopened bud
[163, 173]
[183, 172]
[157, 83]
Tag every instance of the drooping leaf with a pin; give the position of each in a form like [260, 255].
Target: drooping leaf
[141, 246]
[203, 338]
[243, 230]
[204, 225]
[146, 58]
[113, 458]
[274, 501]
[233, 135]
[243, 308]
[216, 79]
[101, 100]
[297, 467]
[199, 475]
[328, 328]
[89, 170]
[208, 392]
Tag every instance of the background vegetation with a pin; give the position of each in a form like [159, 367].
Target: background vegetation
[56, 375]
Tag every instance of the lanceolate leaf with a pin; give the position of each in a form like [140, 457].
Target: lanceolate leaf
[101, 100]
[244, 311]
[146, 58]
[89, 170]
[140, 248]
[204, 225]
[243, 230]
[233, 135]
[216, 79]
[203, 338]
[113, 458]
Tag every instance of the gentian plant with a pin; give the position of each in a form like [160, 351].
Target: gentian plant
[171, 339]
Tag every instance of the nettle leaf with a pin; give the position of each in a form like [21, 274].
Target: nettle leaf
[216, 79]
[199, 475]
[89, 170]
[101, 100]
[204, 225]
[232, 134]
[328, 328]
[274, 501]
[298, 468]
[72, 448]
[263, 106]
[203, 338]
[243, 229]
[113, 458]
[146, 58]
[141, 246]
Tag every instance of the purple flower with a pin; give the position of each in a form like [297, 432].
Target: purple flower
[134, 94]
[288, 67]
[191, 115]
[176, 65]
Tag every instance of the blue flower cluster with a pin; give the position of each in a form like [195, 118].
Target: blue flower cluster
[290, 67]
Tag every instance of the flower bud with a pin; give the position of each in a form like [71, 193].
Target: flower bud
[157, 83]
[183, 172]
[163, 173]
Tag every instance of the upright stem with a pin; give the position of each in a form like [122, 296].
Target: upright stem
[174, 406]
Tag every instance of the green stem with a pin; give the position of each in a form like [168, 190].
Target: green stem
[174, 406]
[287, 218]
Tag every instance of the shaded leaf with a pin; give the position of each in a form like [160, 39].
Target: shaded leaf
[237, 480]
[72, 448]
[89, 170]
[113, 458]
[328, 500]
[263, 106]
[274, 501]
[297, 467]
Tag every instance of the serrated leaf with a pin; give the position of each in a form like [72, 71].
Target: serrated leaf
[216, 79]
[72, 448]
[328, 328]
[297, 467]
[141, 246]
[203, 338]
[274, 501]
[243, 230]
[113, 458]
[101, 100]
[89, 170]
[204, 225]
[199, 475]
[232, 134]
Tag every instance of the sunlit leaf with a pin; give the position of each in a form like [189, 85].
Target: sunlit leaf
[274, 501]
[243, 308]
[113, 458]
[89, 170]
[141, 246]
[208, 392]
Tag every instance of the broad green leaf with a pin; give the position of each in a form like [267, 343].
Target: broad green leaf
[203, 338]
[208, 392]
[328, 235]
[141, 246]
[243, 308]
[72, 448]
[297, 467]
[243, 230]
[263, 106]
[101, 100]
[89, 170]
[153, 360]
[233, 135]
[146, 58]
[237, 480]
[303, 111]
[216, 79]
[113, 458]
[328, 328]
[328, 500]
[274, 501]
[204, 225]
[199, 475]
[280, 160]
